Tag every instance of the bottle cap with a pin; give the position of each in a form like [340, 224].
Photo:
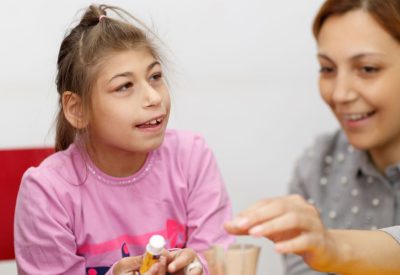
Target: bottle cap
[156, 244]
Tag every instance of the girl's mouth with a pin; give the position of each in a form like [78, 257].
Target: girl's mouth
[151, 123]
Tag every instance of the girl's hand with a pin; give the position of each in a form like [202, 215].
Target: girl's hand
[183, 261]
[292, 224]
[129, 266]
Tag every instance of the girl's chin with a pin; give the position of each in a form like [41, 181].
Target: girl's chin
[153, 144]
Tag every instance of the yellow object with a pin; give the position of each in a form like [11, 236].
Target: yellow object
[153, 252]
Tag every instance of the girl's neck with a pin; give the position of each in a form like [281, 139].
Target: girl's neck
[385, 156]
[117, 163]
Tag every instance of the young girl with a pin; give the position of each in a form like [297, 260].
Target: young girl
[118, 175]
[352, 176]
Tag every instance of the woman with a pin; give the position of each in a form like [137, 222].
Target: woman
[350, 179]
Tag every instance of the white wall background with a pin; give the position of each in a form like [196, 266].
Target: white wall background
[244, 75]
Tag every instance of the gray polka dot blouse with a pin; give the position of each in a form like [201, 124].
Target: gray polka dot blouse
[347, 189]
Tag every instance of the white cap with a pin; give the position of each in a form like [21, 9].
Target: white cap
[156, 244]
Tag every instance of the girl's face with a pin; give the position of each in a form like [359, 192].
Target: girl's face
[360, 79]
[130, 104]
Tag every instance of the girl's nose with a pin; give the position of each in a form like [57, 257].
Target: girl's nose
[152, 97]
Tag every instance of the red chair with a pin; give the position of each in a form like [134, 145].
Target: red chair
[13, 163]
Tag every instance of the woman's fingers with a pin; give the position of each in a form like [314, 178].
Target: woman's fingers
[298, 245]
[265, 211]
[288, 222]
[293, 224]
[255, 214]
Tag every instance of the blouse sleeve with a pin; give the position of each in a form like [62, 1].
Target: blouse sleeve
[394, 231]
[44, 241]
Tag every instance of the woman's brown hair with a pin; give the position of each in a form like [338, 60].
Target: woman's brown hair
[385, 12]
[82, 51]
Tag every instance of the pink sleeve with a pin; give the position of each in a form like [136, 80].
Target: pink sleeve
[43, 239]
[208, 204]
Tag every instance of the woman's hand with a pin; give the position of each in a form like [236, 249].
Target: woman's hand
[293, 224]
[129, 266]
[183, 261]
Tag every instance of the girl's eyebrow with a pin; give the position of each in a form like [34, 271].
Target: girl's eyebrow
[130, 74]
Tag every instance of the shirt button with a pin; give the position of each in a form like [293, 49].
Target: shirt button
[354, 192]
[332, 214]
[340, 157]
[323, 181]
[350, 149]
[374, 227]
[375, 202]
[311, 201]
[354, 210]
[370, 180]
[328, 159]
[344, 180]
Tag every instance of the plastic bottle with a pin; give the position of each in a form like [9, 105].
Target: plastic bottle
[153, 252]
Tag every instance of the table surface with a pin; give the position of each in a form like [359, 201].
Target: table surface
[8, 267]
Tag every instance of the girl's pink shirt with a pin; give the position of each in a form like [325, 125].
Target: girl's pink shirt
[71, 218]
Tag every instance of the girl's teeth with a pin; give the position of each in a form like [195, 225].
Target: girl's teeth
[154, 122]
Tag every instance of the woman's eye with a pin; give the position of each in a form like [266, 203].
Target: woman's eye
[369, 69]
[124, 87]
[326, 70]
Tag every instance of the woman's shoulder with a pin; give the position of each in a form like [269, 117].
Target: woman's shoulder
[326, 144]
[326, 148]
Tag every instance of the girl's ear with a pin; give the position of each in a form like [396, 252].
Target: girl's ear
[73, 110]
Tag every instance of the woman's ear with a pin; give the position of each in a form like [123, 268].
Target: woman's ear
[73, 110]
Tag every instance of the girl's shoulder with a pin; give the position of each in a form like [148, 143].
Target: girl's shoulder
[63, 166]
[183, 139]
[183, 135]
[183, 144]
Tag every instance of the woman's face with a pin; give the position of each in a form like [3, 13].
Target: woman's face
[360, 79]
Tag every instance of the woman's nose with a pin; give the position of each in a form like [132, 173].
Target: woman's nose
[343, 90]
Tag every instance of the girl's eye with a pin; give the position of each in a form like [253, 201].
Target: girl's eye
[156, 77]
[124, 87]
